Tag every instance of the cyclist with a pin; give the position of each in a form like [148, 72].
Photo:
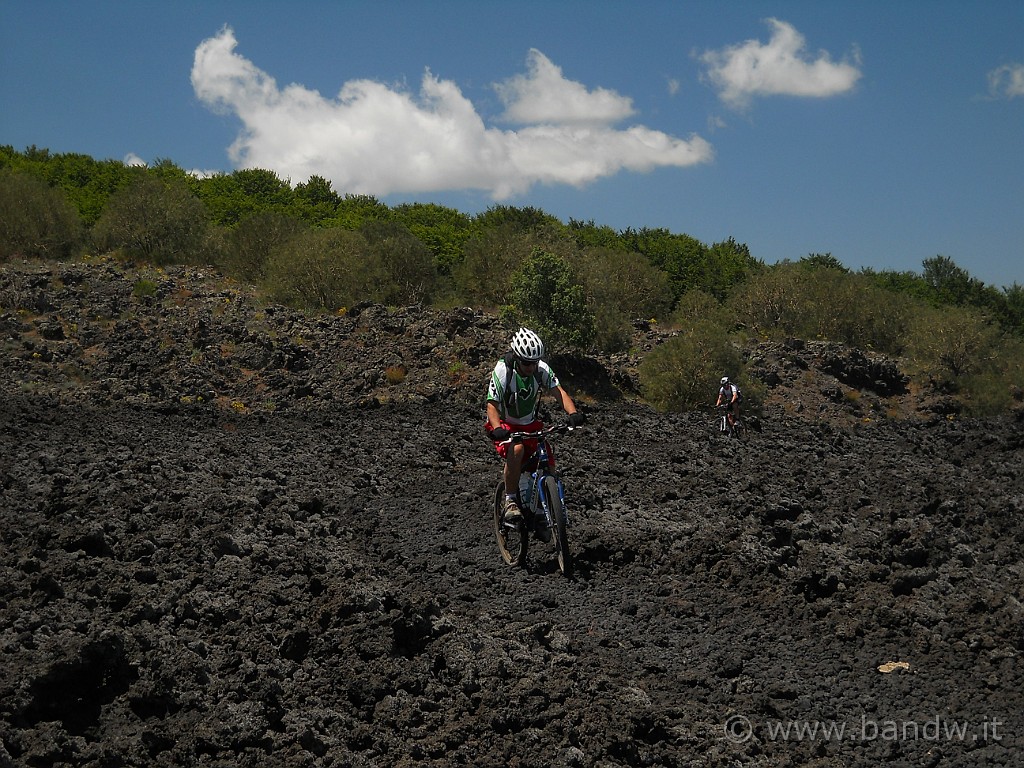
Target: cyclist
[729, 395]
[513, 394]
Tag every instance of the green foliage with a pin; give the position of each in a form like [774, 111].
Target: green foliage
[951, 343]
[36, 220]
[512, 219]
[249, 245]
[231, 197]
[951, 284]
[144, 289]
[822, 261]
[696, 307]
[484, 275]
[443, 230]
[355, 210]
[546, 296]
[590, 235]
[407, 265]
[155, 220]
[622, 287]
[792, 300]
[322, 270]
[315, 201]
[683, 373]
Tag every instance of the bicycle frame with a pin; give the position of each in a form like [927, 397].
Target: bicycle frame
[542, 457]
[538, 493]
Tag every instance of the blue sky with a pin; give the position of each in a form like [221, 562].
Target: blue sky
[881, 132]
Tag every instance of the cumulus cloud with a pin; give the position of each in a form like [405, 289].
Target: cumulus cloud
[377, 139]
[545, 96]
[781, 67]
[1007, 81]
[132, 159]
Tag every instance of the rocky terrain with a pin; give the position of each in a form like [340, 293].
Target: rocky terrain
[236, 535]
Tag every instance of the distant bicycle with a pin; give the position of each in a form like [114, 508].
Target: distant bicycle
[543, 497]
[736, 430]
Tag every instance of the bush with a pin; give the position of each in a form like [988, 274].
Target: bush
[407, 265]
[683, 373]
[547, 297]
[249, 245]
[951, 343]
[814, 302]
[622, 287]
[155, 220]
[36, 220]
[322, 269]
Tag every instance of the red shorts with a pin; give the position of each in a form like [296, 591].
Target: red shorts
[529, 445]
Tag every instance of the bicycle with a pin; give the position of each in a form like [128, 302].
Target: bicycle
[543, 497]
[728, 430]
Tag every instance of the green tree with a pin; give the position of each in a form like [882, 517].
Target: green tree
[483, 277]
[680, 256]
[951, 284]
[355, 210]
[154, 220]
[36, 220]
[546, 296]
[949, 343]
[726, 265]
[511, 219]
[443, 230]
[315, 201]
[823, 261]
[590, 235]
[229, 198]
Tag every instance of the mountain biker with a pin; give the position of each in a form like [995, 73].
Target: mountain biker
[513, 394]
[729, 395]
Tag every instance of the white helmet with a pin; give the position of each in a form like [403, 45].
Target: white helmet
[725, 380]
[526, 345]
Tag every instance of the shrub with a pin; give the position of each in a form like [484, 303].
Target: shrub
[407, 265]
[547, 297]
[321, 269]
[622, 287]
[683, 373]
[36, 220]
[153, 219]
[248, 246]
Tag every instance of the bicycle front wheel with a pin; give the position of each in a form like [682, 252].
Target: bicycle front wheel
[512, 537]
[558, 517]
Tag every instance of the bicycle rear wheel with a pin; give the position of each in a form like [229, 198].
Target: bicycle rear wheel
[560, 523]
[512, 537]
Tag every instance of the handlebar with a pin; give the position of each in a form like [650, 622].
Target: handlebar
[543, 433]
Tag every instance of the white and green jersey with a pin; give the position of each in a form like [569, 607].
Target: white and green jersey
[519, 404]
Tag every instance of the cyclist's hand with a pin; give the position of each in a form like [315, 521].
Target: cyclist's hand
[576, 419]
[500, 433]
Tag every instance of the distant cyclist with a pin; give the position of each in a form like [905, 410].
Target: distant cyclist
[513, 394]
[729, 395]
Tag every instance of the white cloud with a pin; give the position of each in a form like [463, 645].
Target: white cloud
[779, 68]
[132, 159]
[1007, 81]
[545, 96]
[376, 139]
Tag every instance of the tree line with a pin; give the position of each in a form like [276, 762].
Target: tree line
[581, 284]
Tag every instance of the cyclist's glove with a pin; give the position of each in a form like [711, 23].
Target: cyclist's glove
[576, 419]
[500, 433]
